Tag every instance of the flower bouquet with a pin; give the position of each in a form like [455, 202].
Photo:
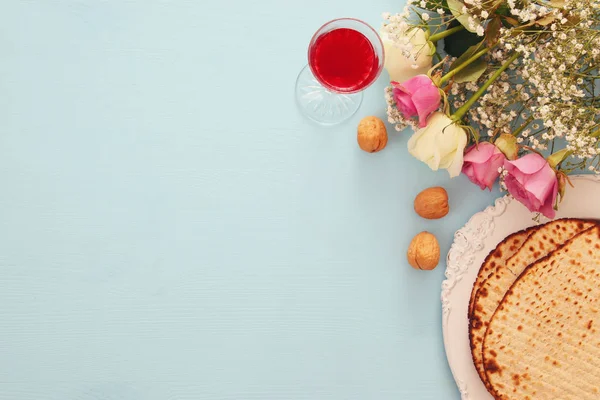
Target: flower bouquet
[500, 90]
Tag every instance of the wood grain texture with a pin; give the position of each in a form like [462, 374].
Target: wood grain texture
[172, 228]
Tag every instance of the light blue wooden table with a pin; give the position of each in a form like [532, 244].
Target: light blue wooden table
[171, 228]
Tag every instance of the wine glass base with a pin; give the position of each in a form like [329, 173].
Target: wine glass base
[322, 106]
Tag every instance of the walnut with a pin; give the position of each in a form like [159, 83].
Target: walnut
[432, 203]
[424, 252]
[372, 134]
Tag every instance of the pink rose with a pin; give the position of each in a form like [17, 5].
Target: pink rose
[417, 96]
[482, 163]
[533, 182]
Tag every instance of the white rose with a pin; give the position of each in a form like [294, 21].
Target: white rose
[401, 68]
[440, 144]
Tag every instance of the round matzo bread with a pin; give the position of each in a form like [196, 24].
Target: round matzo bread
[540, 243]
[543, 341]
[497, 257]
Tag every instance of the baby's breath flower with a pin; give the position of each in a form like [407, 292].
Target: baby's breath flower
[550, 92]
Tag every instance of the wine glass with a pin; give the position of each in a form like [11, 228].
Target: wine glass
[345, 57]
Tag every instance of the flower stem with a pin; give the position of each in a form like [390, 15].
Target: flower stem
[457, 116]
[438, 36]
[531, 149]
[462, 66]
[522, 127]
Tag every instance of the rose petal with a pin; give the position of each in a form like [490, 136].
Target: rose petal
[516, 189]
[480, 153]
[533, 201]
[423, 147]
[399, 67]
[487, 173]
[541, 183]
[457, 162]
[440, 144]
[404, 103]
[452, 142]
[426, 101]
[415, 83]
[547, 208]
[449, 139]
[537, 179]
[469, 171]
[528, 164]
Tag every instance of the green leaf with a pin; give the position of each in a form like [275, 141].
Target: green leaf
[456, 8]
[511, 22]
[434, 5]
[432, 48]
[466, 55]
[457, 43]
[492, 6]
[508, 145]
[492, 31]
[557, 158]
[546, 20]
[473, 71]
[503, 10]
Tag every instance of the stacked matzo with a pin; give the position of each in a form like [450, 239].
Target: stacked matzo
[500, 276]
[506, 249]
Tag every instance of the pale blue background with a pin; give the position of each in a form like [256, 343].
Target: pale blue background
[172, 228]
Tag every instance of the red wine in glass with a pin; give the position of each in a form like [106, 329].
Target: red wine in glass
[345, 56]
[344, 60]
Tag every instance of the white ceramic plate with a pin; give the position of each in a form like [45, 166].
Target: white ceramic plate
[471, 245]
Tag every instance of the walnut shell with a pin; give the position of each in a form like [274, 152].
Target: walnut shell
[372, 134]
[424, 252]
[432, 203]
